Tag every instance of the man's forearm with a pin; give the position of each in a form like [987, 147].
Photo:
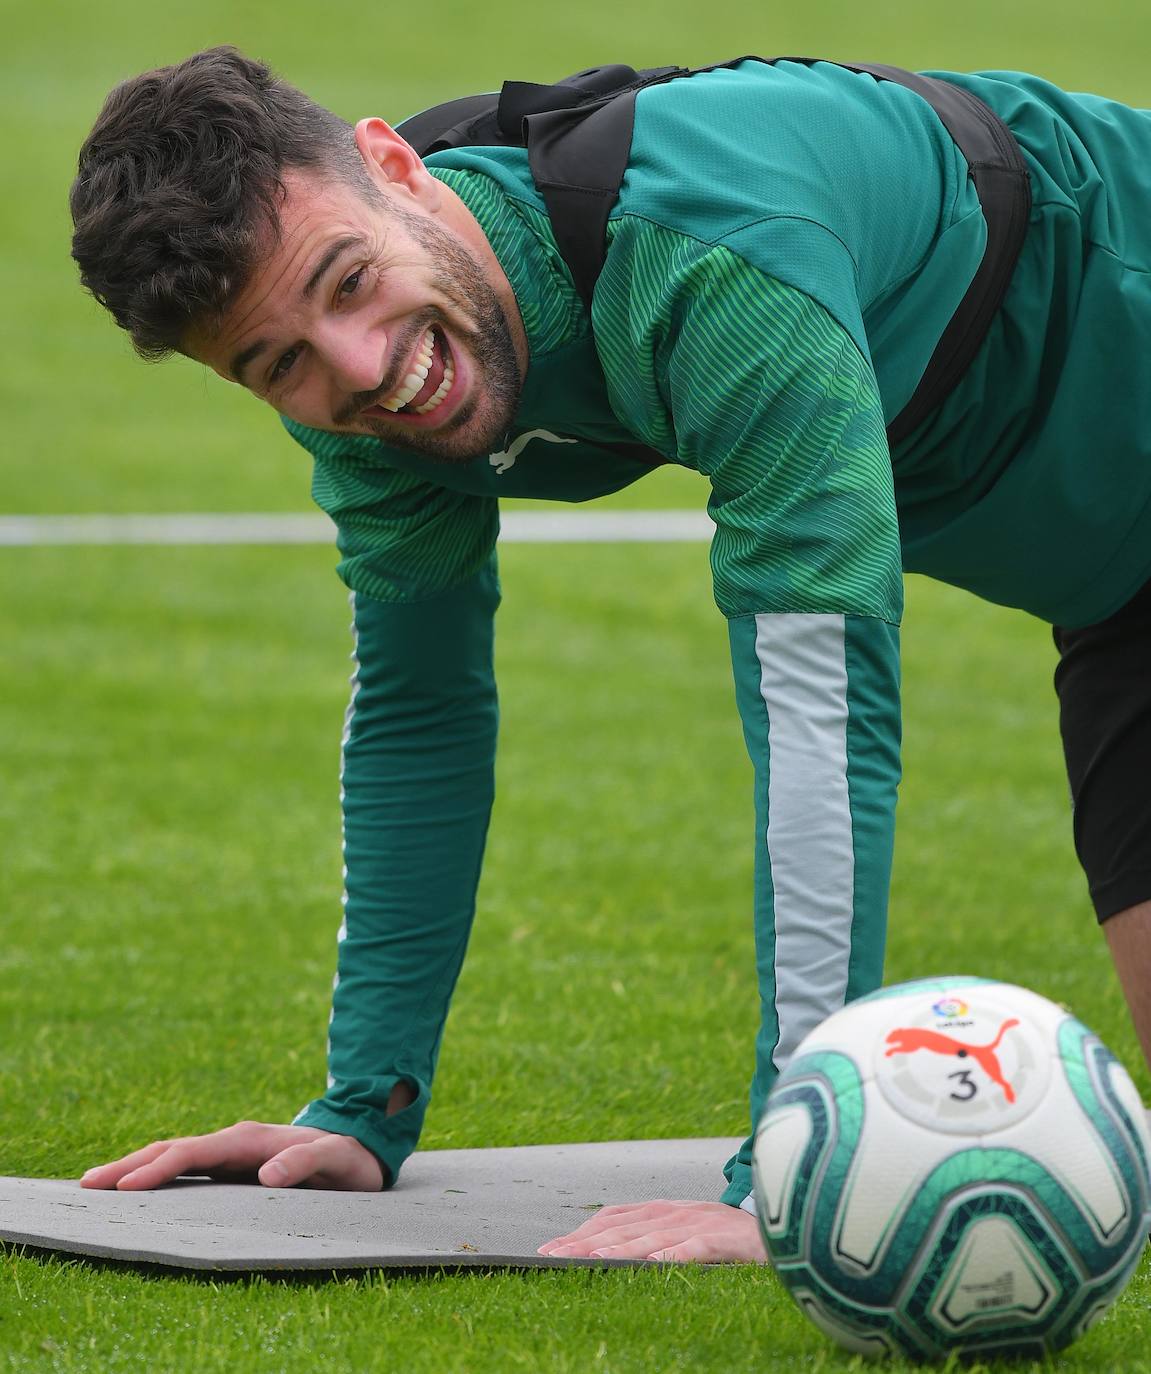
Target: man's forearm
[417, 786]
[819, 700]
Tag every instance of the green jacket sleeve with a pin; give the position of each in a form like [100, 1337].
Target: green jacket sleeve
[756, 386]
[416, 786]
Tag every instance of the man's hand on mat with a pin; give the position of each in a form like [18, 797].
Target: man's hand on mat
[278, 1156]
[702, 1231]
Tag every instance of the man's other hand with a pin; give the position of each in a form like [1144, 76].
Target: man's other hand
[701, 1231]
[276, 1156]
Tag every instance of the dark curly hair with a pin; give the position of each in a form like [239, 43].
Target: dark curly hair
[179, 188]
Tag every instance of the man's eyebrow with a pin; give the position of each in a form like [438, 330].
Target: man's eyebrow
[244, 357]
[331, 253]
[341, 245]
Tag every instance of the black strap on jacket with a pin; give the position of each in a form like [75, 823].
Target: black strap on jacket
[578, 136]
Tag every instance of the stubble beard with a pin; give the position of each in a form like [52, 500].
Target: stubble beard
[480, 425]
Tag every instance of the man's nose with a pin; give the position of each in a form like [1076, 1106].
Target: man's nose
[356, 355]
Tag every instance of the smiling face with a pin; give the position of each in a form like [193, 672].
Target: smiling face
[379, 310]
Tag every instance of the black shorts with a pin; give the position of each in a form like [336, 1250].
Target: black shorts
[1104, 685]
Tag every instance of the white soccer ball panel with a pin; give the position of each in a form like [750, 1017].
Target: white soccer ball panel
[1072, 1151]
[893, 1159]
[1128, 1094]
[995, 1273]
[779, 1146]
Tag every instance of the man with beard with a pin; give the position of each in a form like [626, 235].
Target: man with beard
[789, 252]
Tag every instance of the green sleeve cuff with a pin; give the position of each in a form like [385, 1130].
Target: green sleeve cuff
[737, 1171]
[363, 1117]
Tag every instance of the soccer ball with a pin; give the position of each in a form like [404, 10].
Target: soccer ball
[953, 1164]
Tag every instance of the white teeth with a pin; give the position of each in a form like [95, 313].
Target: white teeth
[415, 379]
[441, 391]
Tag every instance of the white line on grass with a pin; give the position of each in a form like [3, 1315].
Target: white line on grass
[517, 527]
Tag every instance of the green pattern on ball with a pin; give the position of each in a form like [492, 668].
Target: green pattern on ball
[829, 1086]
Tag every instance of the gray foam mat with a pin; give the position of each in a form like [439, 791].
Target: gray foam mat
[451, 1208]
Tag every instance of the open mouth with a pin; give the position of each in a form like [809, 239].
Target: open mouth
[428, 382]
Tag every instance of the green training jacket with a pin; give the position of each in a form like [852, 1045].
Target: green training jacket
[768, 303]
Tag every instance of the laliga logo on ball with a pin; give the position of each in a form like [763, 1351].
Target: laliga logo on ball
[949, 1008]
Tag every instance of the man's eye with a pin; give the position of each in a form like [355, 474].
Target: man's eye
[349, 285]
[283, 366]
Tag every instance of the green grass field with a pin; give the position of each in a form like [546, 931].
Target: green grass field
[171, 718]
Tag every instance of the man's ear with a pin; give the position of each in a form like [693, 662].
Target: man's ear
[393, 163]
